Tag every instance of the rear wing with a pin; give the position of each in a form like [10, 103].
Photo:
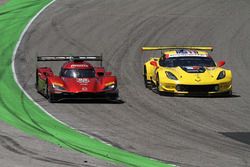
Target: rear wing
[152, 48]
[70, 58]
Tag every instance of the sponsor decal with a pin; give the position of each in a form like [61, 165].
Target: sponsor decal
[83, 80]
[184, 51]
[79, 65]
[84, 88]
[188, 55]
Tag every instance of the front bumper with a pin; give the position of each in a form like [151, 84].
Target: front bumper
[109, 95]
[197, 89]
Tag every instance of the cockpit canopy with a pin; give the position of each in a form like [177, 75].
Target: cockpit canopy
[187, 61]
[77, 73]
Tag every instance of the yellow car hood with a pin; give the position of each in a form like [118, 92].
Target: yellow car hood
[209, 76]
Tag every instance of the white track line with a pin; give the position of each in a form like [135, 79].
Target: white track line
[20, 86]
[15, 52]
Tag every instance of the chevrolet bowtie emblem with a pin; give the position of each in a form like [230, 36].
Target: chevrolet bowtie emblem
[197, 79]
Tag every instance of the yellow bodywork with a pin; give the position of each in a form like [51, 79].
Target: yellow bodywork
[157, 76]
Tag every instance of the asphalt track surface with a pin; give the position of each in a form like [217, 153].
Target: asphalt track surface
[187, 131]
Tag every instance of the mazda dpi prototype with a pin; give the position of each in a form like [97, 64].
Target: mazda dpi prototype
[77, 79]
[186, 71]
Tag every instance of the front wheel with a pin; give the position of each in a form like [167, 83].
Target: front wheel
[158, 85]
[228, 94]
[50, 96]
[114, 97]
[146, 82]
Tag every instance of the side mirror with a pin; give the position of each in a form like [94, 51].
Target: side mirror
[154, 63]
[220, 63]
[108, 73]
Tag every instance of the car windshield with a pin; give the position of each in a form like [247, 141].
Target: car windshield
[78, 73]
[187, 61]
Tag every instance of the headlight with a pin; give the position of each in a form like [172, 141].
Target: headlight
[58, 87]
[216, 88]
[221, 75]
[110, 87]
[171, 75]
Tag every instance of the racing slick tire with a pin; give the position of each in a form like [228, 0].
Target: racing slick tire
[158, 86]
[147, 83]
[228, 94]
[50, 96]
[114, 97]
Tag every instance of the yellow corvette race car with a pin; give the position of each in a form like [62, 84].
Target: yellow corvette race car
[186, 71]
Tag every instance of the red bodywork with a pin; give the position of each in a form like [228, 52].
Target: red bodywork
[101, 84]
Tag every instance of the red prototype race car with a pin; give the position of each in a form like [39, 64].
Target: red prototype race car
[77, 79]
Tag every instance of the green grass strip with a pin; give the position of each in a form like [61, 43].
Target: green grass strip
[17, 110]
